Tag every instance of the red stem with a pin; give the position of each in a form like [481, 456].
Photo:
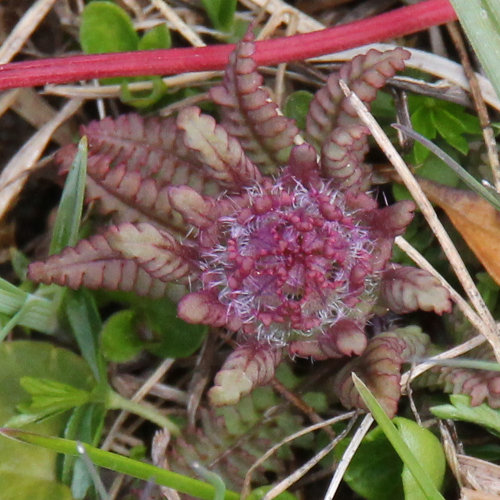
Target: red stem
[396, 23]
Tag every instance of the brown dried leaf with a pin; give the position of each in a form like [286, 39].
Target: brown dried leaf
[474, 218]
[481, 475]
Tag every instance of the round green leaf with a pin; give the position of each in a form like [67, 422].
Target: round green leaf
[119, 340]
[174, 337]
[25, 469]
[297, 106]
[375, 471]
[19, 486]
[427, 449]
[156, 38]
[105, 27]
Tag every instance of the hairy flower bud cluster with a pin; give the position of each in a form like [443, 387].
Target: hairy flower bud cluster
[294, 262]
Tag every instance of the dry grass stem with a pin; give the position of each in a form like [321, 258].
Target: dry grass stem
[422, 262]
[178, 24]
[104, 91]
[188, 101]
[349, 453]
[7, 99]
[303, 469]
[34, 109]
[450, 451]
[24, 29]
[246, 485]
[155, 377]
[449, 354]
[489, 329]
[279, 87]
[305, 23]
[15, 173]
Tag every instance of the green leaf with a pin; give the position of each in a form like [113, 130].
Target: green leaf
[23, 468]
[105, 27]
[119, 340]
[457, 142]
[434, 169]
[427, 449]
[488, 289]
[446, 123]
[460, 409]
[122, 464]
[422, 122]
[490, 196]
[220, 13]
[174, 338]
[297, 106]
[85, 322]
[114, 401]
[375, 471]
[50, 396]
[469, 122]
[316, 400]
[157, 38]
[419, 465]
[19, 263]
[84, 425]
[69, 213]
[480, 20]
[20, 486]
[31, 310]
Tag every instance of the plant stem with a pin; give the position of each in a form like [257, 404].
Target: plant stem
[395, 23]
[117, 402]
[121, 464]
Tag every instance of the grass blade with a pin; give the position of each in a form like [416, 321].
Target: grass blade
[69, 213]
[121, 464]
[480, 20]
[490, 196]
[394, 437]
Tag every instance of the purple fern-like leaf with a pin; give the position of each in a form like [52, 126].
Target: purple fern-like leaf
[365, 74]
[345, 338]
[94, 264]
[150, 146]
[380, 368]
[129, 196]
[204, 308]
[481, 385]
[342, 157]
[335, 127]
[247, 367]
[157, 252]
[405, 289]
[249, 114]
[218, 154]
